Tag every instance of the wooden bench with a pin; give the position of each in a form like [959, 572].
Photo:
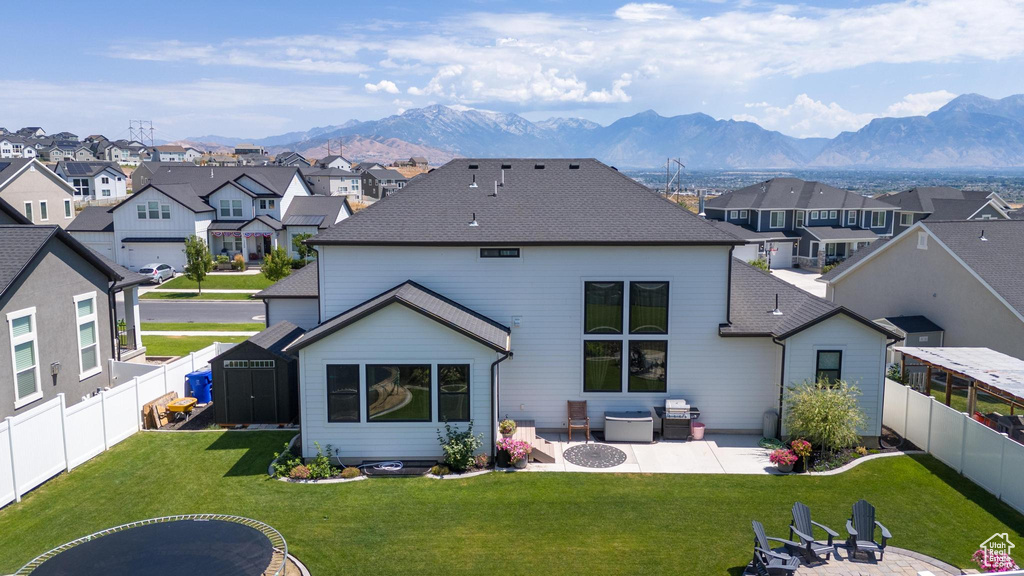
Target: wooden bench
[543, 451]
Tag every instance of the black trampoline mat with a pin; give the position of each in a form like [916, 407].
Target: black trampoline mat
[193, 547]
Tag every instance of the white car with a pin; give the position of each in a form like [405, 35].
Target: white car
[157, 272]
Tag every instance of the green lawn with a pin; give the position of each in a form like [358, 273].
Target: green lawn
[222, 282]
[194, 296]
[958, 400]
[550, 523]
[197, 326]
[182, 345]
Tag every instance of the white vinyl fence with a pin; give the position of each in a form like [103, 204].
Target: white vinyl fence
[989, 458]
[54, 437]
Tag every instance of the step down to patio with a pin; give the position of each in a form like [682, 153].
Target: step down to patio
[543, 451]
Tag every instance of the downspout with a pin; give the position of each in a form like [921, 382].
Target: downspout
[728, 290]
[494, 400]
[782, 388]
[112, 300]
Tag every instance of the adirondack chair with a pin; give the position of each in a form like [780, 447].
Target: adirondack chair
[578, 418]
[767, 561]
[861, 527]
[803, 527]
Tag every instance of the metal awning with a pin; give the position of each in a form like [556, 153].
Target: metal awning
[994, 372]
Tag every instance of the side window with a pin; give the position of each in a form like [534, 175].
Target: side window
[343, 393]
[828, 367]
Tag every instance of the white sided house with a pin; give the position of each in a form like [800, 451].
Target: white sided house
[92, 181]
[454, 302]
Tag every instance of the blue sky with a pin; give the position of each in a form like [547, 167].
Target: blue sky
[253, 69]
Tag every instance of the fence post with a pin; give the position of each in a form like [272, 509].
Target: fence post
[192, 359]
[164, 375]
[1002, 463]
[138, 407]
[928, 432]
[906, 410]
[963, 443]
[103, 419]
[64, 430]
[14, 467]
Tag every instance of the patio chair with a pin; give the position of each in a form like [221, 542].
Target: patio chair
[768, 561]
[861, 527]
[803, 527]
[578, 418]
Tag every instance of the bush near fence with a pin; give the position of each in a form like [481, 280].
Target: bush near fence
[54, 437]
[988, 458]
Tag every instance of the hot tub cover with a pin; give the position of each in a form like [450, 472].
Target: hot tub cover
[638, 416]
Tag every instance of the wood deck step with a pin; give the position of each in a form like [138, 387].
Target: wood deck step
[543, 451]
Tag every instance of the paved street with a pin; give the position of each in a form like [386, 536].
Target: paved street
[224, 312]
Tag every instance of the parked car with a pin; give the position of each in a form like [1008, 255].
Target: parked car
[157, 272]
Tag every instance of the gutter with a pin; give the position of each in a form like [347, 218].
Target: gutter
[494, 401]
[782, 387]
[112, 302]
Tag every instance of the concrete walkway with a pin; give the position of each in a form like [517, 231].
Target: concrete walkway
[196, 333]
[802, 279]
[716, 454]
[895, 562]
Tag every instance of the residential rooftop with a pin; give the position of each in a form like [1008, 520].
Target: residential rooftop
[793, 193]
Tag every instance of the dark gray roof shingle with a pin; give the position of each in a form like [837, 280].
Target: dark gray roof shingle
[301, 283]
[568, 201]
[92, 219]
[426, 302]
[840, 233]
[922, 199]
[203, 180]
[18, 245]
[277, 337]
[330, 207]
[793, 193]
[744, 233]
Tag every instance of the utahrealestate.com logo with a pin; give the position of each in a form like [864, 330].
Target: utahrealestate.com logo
[998, 545]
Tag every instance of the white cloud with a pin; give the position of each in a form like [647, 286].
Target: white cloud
[920, 104]
[642, 12]
[382, 86]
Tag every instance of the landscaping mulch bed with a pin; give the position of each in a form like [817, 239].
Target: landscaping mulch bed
[889, 441]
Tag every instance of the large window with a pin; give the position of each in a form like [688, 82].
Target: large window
[398, 393]
[648, 307]
[154, 210]
[851, 218]
[88, 339]
[800, 218]
[906, 218]
[231, 208]
[24, 354]
[81, 186]
[828, 367]
[647, 361]
[778, 219]
[28, 210]
[602, 366]
[453, 392]
[343, 393]
[877, 218]
[602, 307]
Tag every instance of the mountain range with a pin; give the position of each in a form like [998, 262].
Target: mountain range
[971, 131]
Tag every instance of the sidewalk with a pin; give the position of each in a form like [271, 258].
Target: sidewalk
[196, 333]
[205, 290]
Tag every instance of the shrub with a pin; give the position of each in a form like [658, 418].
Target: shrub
[304, 251]
[827, 267]
[894, 373]
[300, 472]
[825, 413]
[759, 263]
[507, 426]
[459, 446]
[223, 259]
[481, 461]
[320, 467]
[238, 263]
[351, 472]
[440, 470]
[783, 457]
[284, 462]
[277, 264]
[861, 451]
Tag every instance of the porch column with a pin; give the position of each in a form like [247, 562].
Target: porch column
[131, 314]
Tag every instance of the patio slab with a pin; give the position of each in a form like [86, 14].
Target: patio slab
[895, 562]
[716, 454]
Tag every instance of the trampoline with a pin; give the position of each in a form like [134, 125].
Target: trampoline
[196, 544]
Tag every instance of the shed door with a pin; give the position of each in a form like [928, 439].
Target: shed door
[264, 395]
[238, 386]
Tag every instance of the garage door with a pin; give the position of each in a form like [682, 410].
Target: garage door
[783, 257]
[747, 252]
[103, 248]
[142, 253]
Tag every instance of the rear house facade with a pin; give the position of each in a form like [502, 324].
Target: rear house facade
[450, 302]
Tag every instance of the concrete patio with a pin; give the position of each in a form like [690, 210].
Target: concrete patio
[716, 454]
[895, 562]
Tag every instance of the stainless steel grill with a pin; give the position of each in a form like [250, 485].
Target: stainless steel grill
[677, 408]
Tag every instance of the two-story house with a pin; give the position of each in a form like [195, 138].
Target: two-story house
[449, 302]
[37, 192]
[168, 153]
[830, 224]
[334, 161]
[94, 180]
[945, 203]
[16, 147]
[334, 182]
[380, 182]
[236, 210]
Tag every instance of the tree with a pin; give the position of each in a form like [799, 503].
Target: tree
[277, 264]
[759, 263]
[826, 413]
[198, 262]
[303, 250]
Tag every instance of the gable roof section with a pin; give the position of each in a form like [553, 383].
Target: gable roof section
[19, 245]
[329, 208]
[301, 283]
[92, 219]
[793, 193]
[181, 193]
[419, 299]
[205, 179]
[543, 202]
[923, 198]
[274, 339]
[11, 168]
[752, 301]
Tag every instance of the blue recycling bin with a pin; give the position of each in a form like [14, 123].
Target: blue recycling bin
[201, 384]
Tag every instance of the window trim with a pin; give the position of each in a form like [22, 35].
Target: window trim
[771, 215]
[922, 240]
[497, 253]
[583, 368]
[906, 218]
[79, 321]
[28, 211]
[365, 382]
[468, 393]
[873, 213]
[734, 215]
[68, 210]
[744, 214]
[817, 363]
[851, 218]
[358, 394]
[798, 218]
[629, 344]
[32, 337]
[622, 314]
[833, 214]
[814, 215]
[44, 211]
[627, 308]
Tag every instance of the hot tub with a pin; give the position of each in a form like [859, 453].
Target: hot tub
[628, 427]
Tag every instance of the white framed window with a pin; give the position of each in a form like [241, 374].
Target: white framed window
[922, 240]
[225, 208]
[851, 218]
[165, 211]
[44, 214]
[25, 356]
[81, 186]
[743, 213]
[105, 192]
[88, 336]
[906, 218]
[833, 214]
[142, 211]
[734, 214]
[799, 219]
[814, 214]
[777, 219]
[104, 180]
[877, 218]
[67, 209]
[154, 210]
[28, 210]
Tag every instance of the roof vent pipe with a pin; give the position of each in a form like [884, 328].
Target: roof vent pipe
[474, 223]
[473, 184]
[982, 237]
[502, 176]
[495, 189]
[211, 172]
[776, 311]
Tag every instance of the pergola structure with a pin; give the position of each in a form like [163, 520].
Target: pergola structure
[993, 372]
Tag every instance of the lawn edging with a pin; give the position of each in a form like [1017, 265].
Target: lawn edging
[856, 462]
[457, 476]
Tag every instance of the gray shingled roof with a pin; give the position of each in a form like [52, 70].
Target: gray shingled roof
[840, 233]
[996, 260]
[956, 209]
[793, 193]
[426, 302]
[922, 198]
[10, 166]
[18, 245]
[181, 193]
[330, 207]
[72, 169]
[277, 337]
[568, 201]
[856, 257]
[276, 178]
[744, 233]
[92, 219]
[301, 283]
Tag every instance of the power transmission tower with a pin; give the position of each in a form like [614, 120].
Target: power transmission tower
[673, 179]
[141, 130]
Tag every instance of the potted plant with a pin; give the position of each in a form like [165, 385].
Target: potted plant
[223, 262]
[802, 448]
[784, 459]
[507, 427]
[517, 451]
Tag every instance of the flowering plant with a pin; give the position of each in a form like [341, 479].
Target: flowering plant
[507, 426]
[783, 457]
[994, 561]
[516, 449]
[801, 447]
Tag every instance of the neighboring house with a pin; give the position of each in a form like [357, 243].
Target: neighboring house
[380, 182]
[192, 154]
[36, 191]
[291, 159]
[16, 147]
[167, 153]
[65, 136]
[295, 299]
[32, 132]
[94, 227]
[574, 282]
[312, 214]
[94, 180]
[776, 247]
[364, 166]
[945, 203]
[69, 150]
[334, 182]
[414, 162]
[243, 149]
[334, 161]
[963, 276]
[236, 210]
[831, 223]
